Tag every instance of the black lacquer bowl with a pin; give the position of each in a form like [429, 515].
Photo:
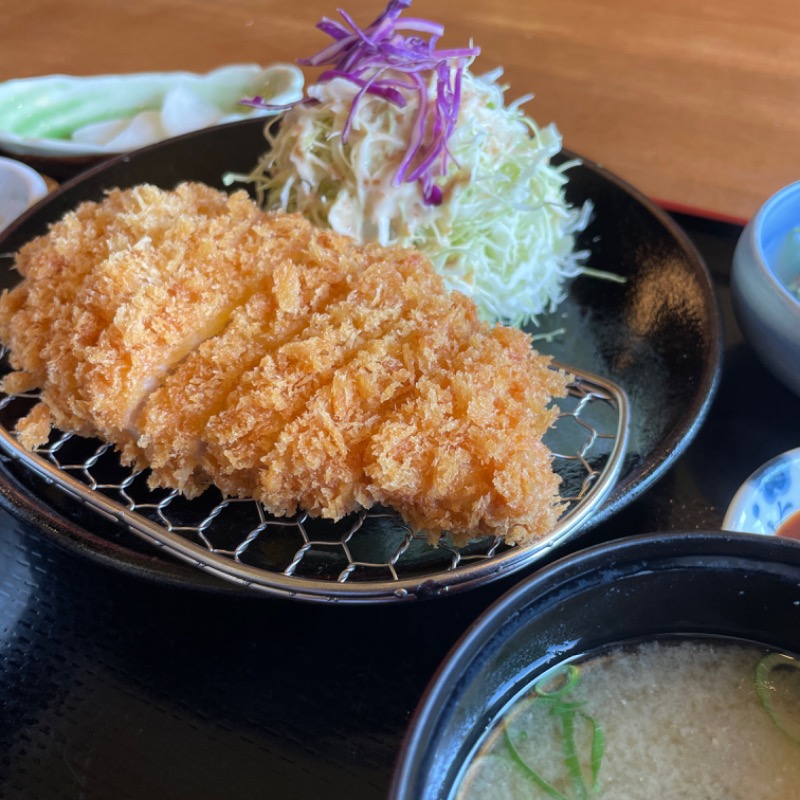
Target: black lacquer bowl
[658, 335]
[741, 586]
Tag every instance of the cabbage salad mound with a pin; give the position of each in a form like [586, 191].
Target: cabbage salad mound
[398, 142]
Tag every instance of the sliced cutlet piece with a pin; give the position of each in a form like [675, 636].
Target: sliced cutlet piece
[318, 462]
[464, 453]
[269, 397]
[173, 420]
[441, 418]
[174, 266]
[210, 259]
[40, 318]
[38, 309]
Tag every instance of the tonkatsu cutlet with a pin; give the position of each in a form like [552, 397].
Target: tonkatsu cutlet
[218, 344]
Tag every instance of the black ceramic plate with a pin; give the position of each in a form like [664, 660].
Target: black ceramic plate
[657, 335]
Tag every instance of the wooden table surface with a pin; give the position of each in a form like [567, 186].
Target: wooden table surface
[696, 104]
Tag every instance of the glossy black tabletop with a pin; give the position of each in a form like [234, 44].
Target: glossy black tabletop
[117, 685]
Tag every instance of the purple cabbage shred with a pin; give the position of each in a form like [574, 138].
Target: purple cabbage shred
[382, 60]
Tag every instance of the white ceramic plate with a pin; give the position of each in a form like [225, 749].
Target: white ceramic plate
[66, 116]
[20, 188]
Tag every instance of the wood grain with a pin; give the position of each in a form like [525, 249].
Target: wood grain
[695, 103]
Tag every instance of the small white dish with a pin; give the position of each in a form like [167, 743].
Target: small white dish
[20, 188]
[766, 264]
[768, 497]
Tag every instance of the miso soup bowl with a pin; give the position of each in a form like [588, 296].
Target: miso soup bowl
[735, 585]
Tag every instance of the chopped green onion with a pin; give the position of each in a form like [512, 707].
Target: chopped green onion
[571, 759]
[568, 679]
[550, 694]
[598, 750]
[534, 776]
[767, 692]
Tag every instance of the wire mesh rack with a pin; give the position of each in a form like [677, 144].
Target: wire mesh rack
[370, 556]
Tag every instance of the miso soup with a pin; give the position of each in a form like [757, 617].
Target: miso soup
[701, 719]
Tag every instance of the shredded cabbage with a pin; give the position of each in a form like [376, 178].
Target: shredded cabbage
[499, 230]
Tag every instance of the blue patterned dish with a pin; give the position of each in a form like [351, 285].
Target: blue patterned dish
[768, 497]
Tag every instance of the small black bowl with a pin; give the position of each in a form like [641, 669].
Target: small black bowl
[742, 586]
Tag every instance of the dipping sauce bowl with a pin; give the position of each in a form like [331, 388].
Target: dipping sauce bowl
[768, 501]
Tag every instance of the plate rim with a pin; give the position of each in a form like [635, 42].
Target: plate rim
[696, 412]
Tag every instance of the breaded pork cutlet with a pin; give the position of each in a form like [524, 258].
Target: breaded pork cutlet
[173, 423]
[270, 398]
[216, 343]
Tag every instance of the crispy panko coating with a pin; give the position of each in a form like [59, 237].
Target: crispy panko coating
[218, 344]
